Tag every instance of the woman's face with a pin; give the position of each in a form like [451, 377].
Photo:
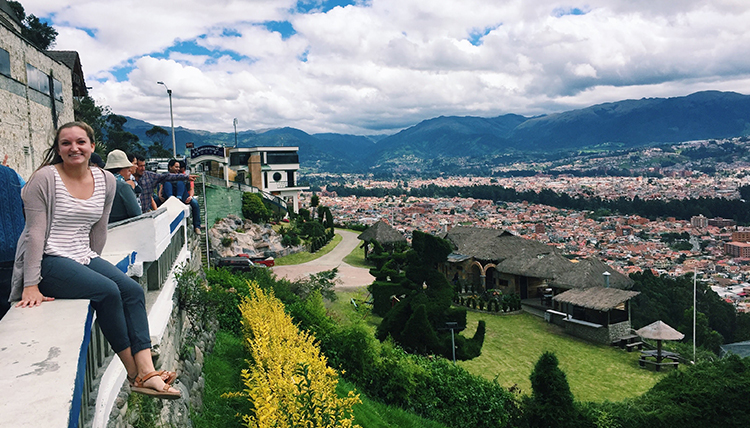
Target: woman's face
[74, 146]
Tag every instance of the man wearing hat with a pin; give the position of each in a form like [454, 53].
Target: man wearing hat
[125, 204]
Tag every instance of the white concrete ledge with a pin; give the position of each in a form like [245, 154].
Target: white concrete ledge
[42, 356]
[43, 350]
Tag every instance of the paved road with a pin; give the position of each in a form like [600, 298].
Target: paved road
[351, 277]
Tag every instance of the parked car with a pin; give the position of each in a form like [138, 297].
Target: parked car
[236, 263]
[265, 261]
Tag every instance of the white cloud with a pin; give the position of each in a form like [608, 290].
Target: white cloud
[386, 64]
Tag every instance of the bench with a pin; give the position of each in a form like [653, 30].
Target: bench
[642, 362]
[631, 345]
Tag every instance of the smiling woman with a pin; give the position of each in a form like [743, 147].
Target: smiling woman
[67, 205]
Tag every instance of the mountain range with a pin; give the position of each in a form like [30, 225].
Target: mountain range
[463, 143]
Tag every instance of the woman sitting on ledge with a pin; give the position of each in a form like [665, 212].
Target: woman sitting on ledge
[67, 205]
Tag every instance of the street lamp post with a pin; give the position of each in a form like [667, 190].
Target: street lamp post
[171, 118]
[235, 131]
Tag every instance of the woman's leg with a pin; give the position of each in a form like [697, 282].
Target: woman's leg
[133, 303]
[119, 303]
[65, 278]
[138, 356]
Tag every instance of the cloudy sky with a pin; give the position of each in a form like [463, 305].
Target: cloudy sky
[377, 66]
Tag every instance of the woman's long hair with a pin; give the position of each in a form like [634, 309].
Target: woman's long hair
[51, 157]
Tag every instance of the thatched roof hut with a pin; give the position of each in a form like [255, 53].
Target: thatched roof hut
[526, 257]
[597, 298]
[383, 233]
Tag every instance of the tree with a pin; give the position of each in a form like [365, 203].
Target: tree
[253, 208]
[423, 298]
[551, 403]
[157, 135]
[41, 34]
[119, 138]
[87, 110]
[314, 201]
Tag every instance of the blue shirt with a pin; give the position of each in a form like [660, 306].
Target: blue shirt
[11, 213]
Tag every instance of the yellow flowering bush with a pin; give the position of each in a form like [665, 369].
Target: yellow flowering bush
[288, 382]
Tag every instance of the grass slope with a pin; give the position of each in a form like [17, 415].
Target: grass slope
[304, 256]
[514, 343]
[222, 374]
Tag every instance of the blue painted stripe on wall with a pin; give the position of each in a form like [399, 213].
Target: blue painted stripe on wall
[75, 408]
[123, 264]
[176, 222]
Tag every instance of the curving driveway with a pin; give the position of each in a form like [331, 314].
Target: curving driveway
[351, 277]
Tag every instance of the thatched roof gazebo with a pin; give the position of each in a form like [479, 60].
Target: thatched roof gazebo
[382, 232]
[659, 331]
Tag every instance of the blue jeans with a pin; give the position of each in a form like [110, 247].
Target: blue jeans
[195, 210]
[119, 302]
[178, 189]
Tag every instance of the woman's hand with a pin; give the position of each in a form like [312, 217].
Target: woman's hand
[32, 297]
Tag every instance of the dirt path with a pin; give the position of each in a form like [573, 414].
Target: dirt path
[351, 277]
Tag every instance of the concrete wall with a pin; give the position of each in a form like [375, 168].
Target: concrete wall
[56, 361]
[26, 122]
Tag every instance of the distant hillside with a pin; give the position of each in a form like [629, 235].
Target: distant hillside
[467, 144]
[632, 123]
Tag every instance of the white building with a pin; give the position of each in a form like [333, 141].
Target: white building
[271, 170]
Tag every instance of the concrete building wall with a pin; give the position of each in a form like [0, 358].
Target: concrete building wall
[27, 124]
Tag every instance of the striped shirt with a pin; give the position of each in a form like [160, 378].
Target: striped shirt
[72, 221]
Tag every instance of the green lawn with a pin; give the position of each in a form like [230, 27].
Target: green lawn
[304, 256]
[357, 258]
[513, 344]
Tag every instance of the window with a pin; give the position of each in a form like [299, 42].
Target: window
[275, 158]
[276, 176]
[239, 159]
[4, 62]
[37, 79]
[57, 85]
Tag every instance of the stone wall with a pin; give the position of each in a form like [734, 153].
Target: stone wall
[591, 334]
[26, 123]
[180, 350]
[618, 330]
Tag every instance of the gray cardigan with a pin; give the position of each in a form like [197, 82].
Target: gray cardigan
[39, 207]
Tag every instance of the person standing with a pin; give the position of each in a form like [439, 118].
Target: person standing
[67, 205]
[11, 226]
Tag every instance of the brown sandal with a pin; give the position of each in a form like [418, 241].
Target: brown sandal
[165, 393]
[166, 376]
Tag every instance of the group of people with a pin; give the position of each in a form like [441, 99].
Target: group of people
[53, 250]
[140, 191]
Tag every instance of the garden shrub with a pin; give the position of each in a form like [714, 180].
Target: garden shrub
[288, 382]
[254, 209]
[551, 403]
